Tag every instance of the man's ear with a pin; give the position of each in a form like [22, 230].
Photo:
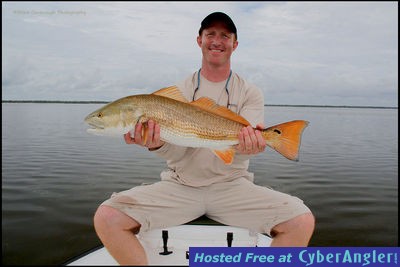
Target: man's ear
[199, 41]
[235, 44]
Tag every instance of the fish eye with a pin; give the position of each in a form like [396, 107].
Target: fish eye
[100, 115]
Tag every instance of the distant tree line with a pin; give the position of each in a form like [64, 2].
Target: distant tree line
[267, 105]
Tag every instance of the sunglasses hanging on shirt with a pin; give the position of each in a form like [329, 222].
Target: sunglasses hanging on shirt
[226, 87]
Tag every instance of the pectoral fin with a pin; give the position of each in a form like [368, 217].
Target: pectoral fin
[226, 155]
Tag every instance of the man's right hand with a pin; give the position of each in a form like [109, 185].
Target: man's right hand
[149, 138]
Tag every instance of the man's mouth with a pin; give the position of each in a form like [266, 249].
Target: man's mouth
[216, 50]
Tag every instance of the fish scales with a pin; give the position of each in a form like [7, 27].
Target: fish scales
[181, 120]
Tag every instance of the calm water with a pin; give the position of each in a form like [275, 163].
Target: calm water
[54, 175]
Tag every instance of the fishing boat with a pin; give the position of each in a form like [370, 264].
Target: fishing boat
[170, 246]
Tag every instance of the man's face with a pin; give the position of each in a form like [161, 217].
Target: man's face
[217, 44]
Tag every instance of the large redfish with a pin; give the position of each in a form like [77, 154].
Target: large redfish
[201, 123]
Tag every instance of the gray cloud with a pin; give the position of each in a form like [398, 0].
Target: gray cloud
[323, 53]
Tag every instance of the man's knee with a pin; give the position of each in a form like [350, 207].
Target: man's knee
[102, 214]
[108, 217]
[304, 223]
[307, 222]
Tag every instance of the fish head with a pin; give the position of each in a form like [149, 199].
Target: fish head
[113, 119]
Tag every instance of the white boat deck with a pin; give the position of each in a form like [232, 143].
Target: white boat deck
[180, 238]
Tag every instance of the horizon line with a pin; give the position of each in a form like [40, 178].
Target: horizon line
[266, 105]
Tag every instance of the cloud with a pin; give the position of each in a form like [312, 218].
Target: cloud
[330, 53]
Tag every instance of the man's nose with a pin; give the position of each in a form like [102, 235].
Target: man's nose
[216, 40]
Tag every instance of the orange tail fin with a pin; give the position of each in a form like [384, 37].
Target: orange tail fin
[285, 138]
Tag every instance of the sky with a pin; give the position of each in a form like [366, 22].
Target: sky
[297, 53]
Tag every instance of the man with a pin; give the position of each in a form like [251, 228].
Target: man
[198, 183]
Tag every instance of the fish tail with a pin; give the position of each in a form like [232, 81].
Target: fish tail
[285, 138]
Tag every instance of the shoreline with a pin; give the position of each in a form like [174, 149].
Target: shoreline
[267, 105]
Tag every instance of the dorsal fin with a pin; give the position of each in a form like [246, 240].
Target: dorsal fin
[171, 92]
[209, 105]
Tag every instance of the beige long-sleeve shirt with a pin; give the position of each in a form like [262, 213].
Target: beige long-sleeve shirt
[199, 166]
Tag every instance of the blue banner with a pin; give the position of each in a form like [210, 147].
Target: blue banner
[299, 257]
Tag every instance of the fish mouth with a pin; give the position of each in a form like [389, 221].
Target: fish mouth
[95, 126]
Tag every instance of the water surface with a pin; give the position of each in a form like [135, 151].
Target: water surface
[54, 175]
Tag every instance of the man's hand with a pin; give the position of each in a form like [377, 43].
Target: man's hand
[251, 141]
[145, 134]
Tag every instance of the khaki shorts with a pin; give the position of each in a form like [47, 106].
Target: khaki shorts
[238, 203]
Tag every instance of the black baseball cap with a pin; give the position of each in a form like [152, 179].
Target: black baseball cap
[218, 17]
